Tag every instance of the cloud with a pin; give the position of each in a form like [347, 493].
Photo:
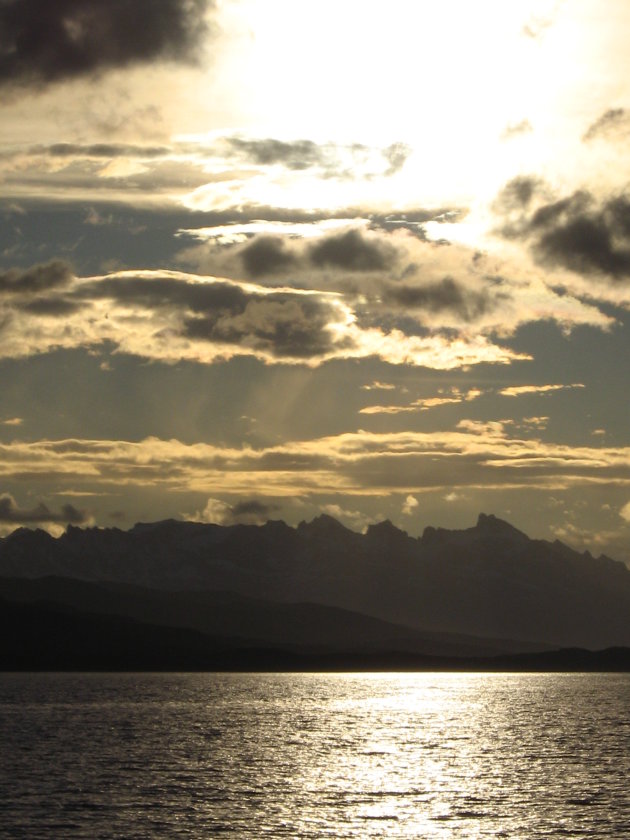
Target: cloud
[586, 537]
[410, 505]
[270, 323]
[247, 512]
[396, 155]
[535, 422]
[474, 454]
[57, 307]
[281, 325]
[349, 161]
[613, 124]
[578, 232]
[574, 234]
[446, 294]
[518, 193]
[306, 252]
[516, 130]
[520, 390]
[38, 278]
[452, 497]
[45, 42]
[11, 513]
[266, 219]
[379, 386]
[417, 405]
[488, 428]
[392, 276]
[12, 421]
[265, 255]
[215, 512]
[355, 518]
[298, 154]
[96, 178]
[453, 396]
[376, 293]
[101, 150]
[351, 309]
[352, 251]
[624, 513]
[252, 507]
[224, 174]
[171, 316]
[389, 409]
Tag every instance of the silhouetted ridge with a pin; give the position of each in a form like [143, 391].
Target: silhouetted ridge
[51, 637]
[490, 580]
[386, 530]
[324, 525]
[32, 536]
[245, 621]
[490, 524]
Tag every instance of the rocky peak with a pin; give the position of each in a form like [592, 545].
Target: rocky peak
[385, 530]
[492, 525]
[323, 525]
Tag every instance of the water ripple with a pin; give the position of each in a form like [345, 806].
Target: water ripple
[312, 756]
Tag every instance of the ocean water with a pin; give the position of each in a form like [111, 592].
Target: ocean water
[314, 755]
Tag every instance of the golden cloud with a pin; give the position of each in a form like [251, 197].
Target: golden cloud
[357, 463]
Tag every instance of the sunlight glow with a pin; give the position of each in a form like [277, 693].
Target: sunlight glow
[447, 78]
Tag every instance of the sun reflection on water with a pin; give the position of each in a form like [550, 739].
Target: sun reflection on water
[315, 755]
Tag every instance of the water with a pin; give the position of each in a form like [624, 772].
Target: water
[314, 756]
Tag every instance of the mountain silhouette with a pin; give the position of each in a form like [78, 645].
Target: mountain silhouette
[490, 581]
[241, 621]
[50, 637]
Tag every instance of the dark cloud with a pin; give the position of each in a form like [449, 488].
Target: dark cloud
[298, 154]
[52, 307]
[331, 158]
[353, 252]
[446, 295]
[10, 512]
[414, 220]
[516, 129]
[42, 42]
[613, 124]
[252, 506]
[396, 156]
[574, 237]
[282, 325]
[168, 292]
[518, 193]
[411, 218]
[39, 278]
[579, 233]
[101, 150]
[82, 174]
[350, 251]
[252, 511]
[249, 512]
[278, 323]
[150, 236]
[266, 254]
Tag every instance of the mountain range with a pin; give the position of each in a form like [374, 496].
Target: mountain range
[318, 589]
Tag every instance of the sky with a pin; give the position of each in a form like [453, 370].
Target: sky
[264, 260]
